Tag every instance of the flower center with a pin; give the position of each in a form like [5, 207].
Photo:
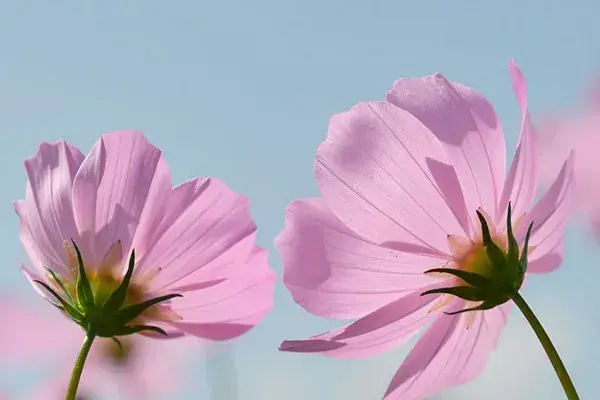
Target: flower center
[476, 260]
[471, 255]
[107, 275]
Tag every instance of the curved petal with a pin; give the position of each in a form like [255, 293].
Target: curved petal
[120, 191]
[333, 272]
[521, 183]
[46, 214]
[229, 308]
[452, 351]
[466, 123]
[550, 217]
[383, 329]
[386, 177]
[204, 223]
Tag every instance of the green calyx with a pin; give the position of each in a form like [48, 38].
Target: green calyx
[505, 277]
[105, 316]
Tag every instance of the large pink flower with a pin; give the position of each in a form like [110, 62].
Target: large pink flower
[401, 182]
[141, 368]
[580, 133]
[195, 239]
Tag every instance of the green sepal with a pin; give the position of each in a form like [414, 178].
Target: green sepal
[66, 307]
[60, 283]
[117, 297]
[471, 278]
[131, 329]
[129, 313]
[469, 293]
[513, 246]
[482, 307]
[523, 260]
[494, 253]
[85, 296]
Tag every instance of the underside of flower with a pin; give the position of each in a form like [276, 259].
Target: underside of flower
[101, 303]
[488, 272]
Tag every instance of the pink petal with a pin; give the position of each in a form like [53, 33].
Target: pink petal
[46, 214]
[386, 177]
[373, 334]
[467, 124]
[205, 223]
[229, 308]
[550, 217]
[491, 325]
[521, 183]
[449, 353]
[121, 191]
[333, 272]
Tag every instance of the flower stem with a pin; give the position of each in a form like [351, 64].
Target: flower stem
[544, 339]
[78, 367]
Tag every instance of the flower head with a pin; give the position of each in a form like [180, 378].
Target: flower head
[121, 251]
[413, 188]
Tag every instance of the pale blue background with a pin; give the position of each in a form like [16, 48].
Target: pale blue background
[243, 90]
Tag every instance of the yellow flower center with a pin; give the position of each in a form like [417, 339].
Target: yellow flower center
[105, 277]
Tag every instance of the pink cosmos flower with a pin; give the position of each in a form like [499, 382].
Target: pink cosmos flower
[142, 368]
[401, 182]
[195, 239]
[579, 133]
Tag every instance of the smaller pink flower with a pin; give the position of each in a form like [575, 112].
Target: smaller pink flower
[402, 183]
[142, 368]
[579, 133]
[196, 239]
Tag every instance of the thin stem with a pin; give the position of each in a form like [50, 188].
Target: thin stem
[78, 367]
[544, 339]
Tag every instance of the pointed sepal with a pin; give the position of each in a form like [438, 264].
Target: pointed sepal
[523, 259]
[85, 296]
[469, 293]
[118, 296]
[131, 329]
[129, 313]
[494, 253]
[471, 278]
[69, 309]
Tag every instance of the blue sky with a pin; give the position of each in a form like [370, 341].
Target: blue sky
[243, 90]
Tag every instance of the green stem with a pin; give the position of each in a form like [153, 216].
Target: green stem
[78, 367]
[544, 339]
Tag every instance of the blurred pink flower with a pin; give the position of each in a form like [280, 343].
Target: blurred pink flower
[142, 368]
[196, 239]
[578, 132]
[401, 181]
